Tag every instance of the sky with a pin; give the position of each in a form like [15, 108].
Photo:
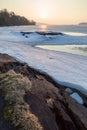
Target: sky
[49, 11]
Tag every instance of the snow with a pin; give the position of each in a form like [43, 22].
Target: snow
[35, 38]
[77, 98]
[68, 90]
[67, 39]
[65, 68]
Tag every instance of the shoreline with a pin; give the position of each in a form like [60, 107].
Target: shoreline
[51, 80]
[67, 67]
[32, 100]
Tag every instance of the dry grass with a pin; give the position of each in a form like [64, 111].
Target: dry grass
[14, 87]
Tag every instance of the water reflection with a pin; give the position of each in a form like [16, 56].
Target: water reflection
[43, 27]
[74, 49]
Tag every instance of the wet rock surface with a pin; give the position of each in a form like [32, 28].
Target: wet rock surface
[30, 100]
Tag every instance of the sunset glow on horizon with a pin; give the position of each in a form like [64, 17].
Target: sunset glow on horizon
[49, 11]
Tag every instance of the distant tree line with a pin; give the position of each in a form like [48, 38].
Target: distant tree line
[11, 19]
[83, 23]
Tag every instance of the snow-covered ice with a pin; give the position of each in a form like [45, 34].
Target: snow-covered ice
[35, 38]
[77, 98]
[67, 69]
[68, 90]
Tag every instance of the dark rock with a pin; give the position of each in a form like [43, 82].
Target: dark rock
[43, 33]
[50, 33]
[76, 111]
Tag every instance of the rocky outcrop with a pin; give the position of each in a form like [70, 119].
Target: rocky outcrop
[30, 100]
[49, 33]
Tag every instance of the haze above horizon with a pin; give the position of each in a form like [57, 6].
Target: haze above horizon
[49, 11]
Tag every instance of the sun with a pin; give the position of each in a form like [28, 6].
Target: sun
[43, 15]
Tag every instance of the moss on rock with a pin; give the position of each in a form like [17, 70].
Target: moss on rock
[7, 112]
